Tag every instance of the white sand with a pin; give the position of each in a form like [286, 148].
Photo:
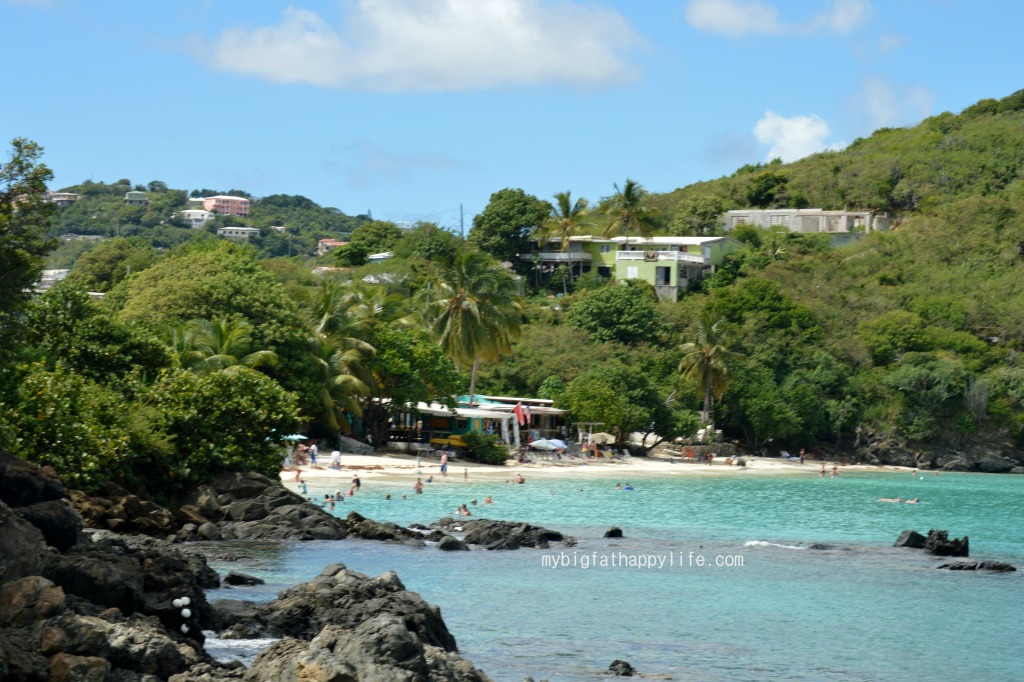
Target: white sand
[399, 467]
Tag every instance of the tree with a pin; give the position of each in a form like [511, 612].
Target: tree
[25, 218]
[623, 312]
[705, 363]
[621, 397]
[376, 236]
[699, 216]
[474, 312]
[628, 210]
[110, 262]
[503, 228]
[221, 343]
[566, 220]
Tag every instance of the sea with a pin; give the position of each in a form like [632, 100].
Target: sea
[739, 576]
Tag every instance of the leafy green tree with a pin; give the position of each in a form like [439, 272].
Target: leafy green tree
[474, 312]
[408, 367]
[706, 363]
[758, 406]
[504, 227]
[225, 421]
[629, 210]
[24, 225]
[700, 216]
[376, 236]
[624, 312]
[350, 256]
[110, 262]
[65, 326]
[84, 430]
[624, 399]
[429, 242]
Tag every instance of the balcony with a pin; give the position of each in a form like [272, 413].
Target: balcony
[651, 255]
[557, 257]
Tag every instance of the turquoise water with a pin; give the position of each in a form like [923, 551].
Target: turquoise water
[762, 606]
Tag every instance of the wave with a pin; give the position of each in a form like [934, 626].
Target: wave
[765, 543]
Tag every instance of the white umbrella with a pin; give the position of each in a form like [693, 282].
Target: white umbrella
[294, 436]
[544, 444]
[558, 443]
[602, 438]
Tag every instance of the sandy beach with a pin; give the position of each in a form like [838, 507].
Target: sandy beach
[401, 467]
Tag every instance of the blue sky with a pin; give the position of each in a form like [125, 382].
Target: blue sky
[411, 108]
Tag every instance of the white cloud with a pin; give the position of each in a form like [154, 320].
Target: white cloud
[395, 45]
[792, 138]
[881, 104]
[737, 18]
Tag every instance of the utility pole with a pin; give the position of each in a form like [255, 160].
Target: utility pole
[462, 227]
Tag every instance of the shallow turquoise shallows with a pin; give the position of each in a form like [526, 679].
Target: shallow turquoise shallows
[715, 578]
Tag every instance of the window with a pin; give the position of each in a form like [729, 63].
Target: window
[778, 220]
[606, 248]
[632, 272]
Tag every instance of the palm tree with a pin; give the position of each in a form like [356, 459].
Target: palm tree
[704, 363]
[564, 222]
[628, 209]
[339, 370]
[474, 311]
[222, 343]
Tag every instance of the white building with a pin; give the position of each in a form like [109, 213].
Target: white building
[239, 233]
[195, 218]
[807, 220]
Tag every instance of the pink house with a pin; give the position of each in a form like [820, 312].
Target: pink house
[227, 204]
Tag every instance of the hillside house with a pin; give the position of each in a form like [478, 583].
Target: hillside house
[135, 198]
[670, 264]
[807, 220]
[227, 204]
[195, 218]
[238, 233]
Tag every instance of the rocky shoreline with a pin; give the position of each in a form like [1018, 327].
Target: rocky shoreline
[80, 603]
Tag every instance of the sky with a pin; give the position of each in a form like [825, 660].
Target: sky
[421, 109]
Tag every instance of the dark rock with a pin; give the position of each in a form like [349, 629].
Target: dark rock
[939, 544]
[69, 668]
[241, 485]
[910, 538]
[450, 544]
[58, 521]
[28, 600]
[23, 483]
[234, 578]
[820, 546]
[621, 669]
[346, 598]
[368, 529]
[21, 546]
[494, 534]
[380, 648]
[613, 532]
[996, 566]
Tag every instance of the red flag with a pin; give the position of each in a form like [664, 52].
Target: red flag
[519, 413]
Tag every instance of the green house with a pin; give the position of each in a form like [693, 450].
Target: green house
[669, 264]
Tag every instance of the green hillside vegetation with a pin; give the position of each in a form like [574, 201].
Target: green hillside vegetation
[204, 352]
[101, 212]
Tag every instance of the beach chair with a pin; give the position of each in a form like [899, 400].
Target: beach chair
[785, 455]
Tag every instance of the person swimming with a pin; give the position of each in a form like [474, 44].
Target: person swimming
[916, 500]
[890, 499]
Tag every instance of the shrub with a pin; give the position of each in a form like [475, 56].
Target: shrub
[485, 448]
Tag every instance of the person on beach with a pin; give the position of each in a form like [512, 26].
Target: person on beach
[298, 475]
[418, 487]
[356, 483]
[305, 488]
[430, 479]
[821, 474]
[519, 478]
[444, 463]
[802, 455]
[336, 460]
[835, 471]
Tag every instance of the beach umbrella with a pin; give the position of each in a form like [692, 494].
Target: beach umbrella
[294, 436]
[543, 444]
[558, 443]
[602, 438]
